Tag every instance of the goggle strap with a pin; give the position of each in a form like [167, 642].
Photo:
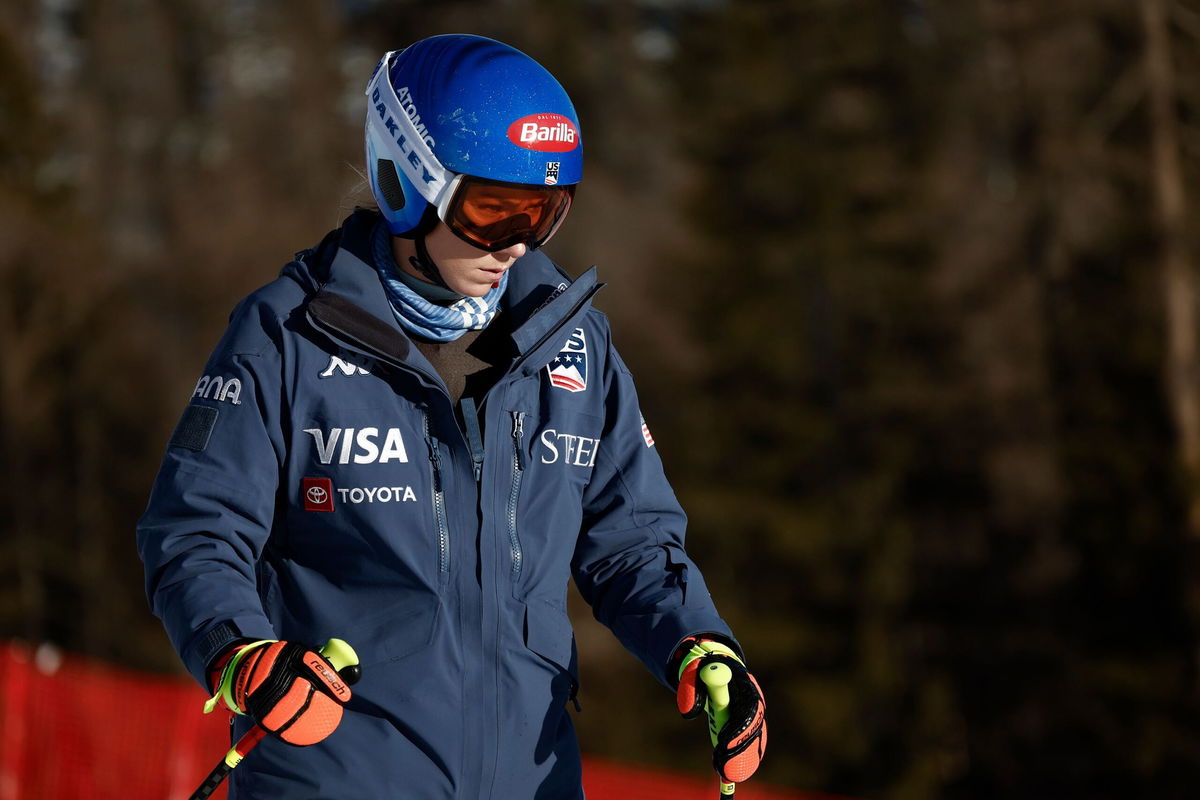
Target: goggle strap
[447, 198]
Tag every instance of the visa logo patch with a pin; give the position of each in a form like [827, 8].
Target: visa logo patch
[362, 446]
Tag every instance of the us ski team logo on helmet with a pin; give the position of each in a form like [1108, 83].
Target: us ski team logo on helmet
[546, 133]
[568, 369]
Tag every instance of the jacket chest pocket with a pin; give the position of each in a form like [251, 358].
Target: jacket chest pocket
[363, 487]
[551, 461]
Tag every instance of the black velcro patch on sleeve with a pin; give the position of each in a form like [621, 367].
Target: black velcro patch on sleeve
[194, 428]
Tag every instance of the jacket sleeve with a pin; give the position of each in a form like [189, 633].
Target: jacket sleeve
[211, 508]
[630, 564]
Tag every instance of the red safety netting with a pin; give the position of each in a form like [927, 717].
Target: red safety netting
[72, 728]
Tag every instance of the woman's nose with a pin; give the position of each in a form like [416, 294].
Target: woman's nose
[515, 251]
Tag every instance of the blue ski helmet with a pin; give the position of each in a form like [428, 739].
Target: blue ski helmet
[453, 110]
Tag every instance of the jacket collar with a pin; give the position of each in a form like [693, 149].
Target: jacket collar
[540, 299]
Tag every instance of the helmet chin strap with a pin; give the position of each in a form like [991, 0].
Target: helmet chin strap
[423, 263]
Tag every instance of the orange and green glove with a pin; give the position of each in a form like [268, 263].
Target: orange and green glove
[733, 701]
[291, 690]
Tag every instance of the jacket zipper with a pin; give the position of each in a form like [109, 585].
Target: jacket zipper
[514, 541]
[518, 472]
[439, 500]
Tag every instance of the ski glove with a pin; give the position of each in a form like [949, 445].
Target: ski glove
[290, 689]
[738, 743]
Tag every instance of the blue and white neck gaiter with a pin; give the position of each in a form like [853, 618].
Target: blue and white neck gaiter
[417, 314]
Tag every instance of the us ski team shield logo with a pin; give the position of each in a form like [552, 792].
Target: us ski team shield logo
[568, 370]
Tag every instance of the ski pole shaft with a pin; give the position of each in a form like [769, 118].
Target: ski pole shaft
[231, 760]
[716, 677]
[344, 660]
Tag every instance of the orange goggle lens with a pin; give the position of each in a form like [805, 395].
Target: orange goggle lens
[493, 215]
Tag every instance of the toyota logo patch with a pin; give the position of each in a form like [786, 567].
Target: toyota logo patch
[318, 494]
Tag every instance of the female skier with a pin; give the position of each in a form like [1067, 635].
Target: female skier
[412, 440]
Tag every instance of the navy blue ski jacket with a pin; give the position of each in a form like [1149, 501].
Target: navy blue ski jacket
[319, 485]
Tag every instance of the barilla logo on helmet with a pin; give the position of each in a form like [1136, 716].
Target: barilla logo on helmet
[546, 133]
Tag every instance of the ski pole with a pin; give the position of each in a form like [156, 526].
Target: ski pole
[344, 660]
[716, 677]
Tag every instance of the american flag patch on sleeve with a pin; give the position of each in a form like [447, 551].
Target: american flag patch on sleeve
[646, 432]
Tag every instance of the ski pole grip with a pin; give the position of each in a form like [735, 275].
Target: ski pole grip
[716, 677]
[339, 653]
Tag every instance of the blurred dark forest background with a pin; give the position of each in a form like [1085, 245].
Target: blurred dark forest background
[909, 286]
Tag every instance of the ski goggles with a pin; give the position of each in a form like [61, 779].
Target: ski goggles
[493, 215]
